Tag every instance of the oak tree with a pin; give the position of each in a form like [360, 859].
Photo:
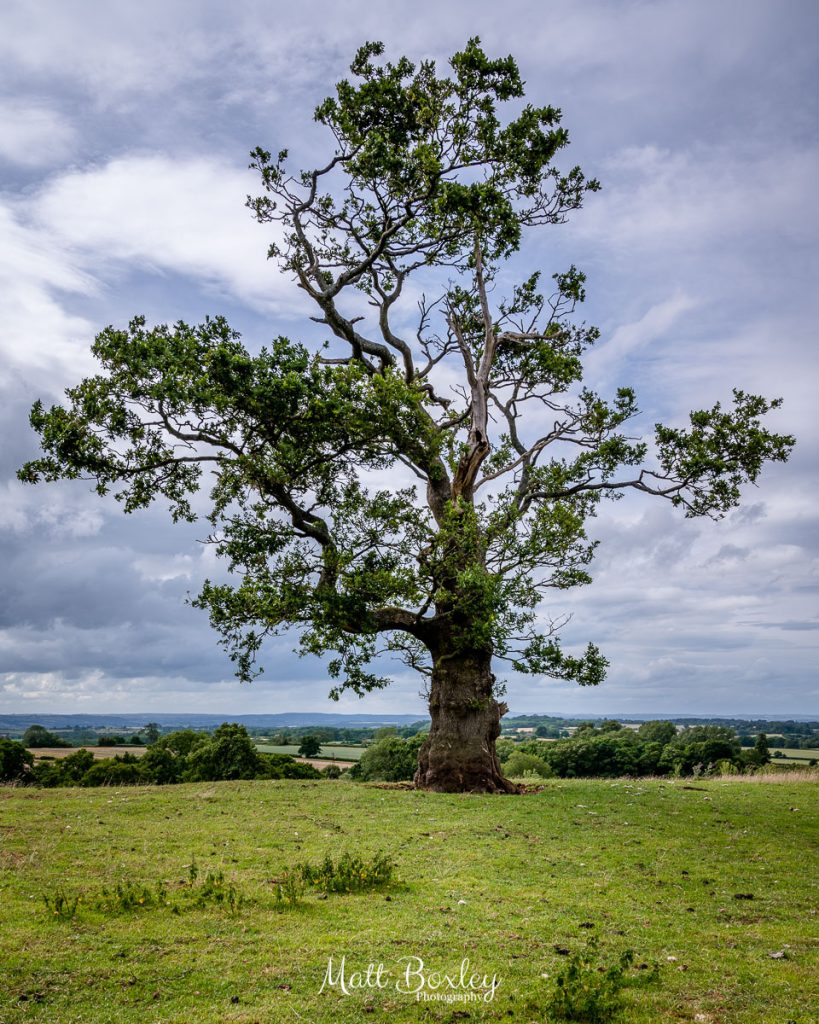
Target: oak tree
[310, 746]
[411, 486]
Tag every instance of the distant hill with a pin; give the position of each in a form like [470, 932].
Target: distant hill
[298, 719]
[292, 719]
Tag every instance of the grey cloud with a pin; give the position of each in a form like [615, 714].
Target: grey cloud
[789, 625]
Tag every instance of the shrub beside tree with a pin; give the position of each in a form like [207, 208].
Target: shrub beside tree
[520, 765]
[121, 770]
[67, 771]
[390, 759]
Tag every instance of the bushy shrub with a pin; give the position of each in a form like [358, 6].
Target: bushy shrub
[282, 766]
[67, 771]
[301, 771]
[391, 759]
[227, 754]
[589, 753]
[15, 762]
[160, 766]
[504, 749]
[520, 765]
[114, 771]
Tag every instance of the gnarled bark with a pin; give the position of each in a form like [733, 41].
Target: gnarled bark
[459, 755]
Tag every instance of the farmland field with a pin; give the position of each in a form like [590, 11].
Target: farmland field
[329, 751]
[796, 755]
[100, 753]
[706, 879]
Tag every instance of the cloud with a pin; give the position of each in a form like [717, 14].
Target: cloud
[700, 120]
[672, 200]
[109, 48]
[39, 336]
[33, 136]
[159, 214]
[86, 234]
[629, 340]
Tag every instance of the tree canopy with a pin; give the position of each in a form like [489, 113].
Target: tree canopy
[415, 482]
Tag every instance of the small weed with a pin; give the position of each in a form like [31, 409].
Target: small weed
[348, 873]
[289, 889]
[128, 896]
[587, 991]
[214, 889]
[60, 905]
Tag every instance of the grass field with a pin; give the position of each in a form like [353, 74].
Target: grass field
[328, 751]
[709, 879]
[797, 755]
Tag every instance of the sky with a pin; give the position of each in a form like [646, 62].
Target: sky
[124, 138]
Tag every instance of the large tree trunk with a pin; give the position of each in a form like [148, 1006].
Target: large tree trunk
[459, 755]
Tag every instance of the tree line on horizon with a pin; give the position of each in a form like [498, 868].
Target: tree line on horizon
[183, 756]
[603, 750]
[606, 749]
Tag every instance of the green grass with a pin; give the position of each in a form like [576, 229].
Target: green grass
[651, 866]
[328, 752]
[796, 755]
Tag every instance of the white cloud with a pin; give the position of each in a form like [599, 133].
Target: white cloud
[109, 48]
[156, 213]
[628, 340]
[33, 136]
[39, 336]
[68, 512]
[160, 569]
[673, 201]
[87, 231]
